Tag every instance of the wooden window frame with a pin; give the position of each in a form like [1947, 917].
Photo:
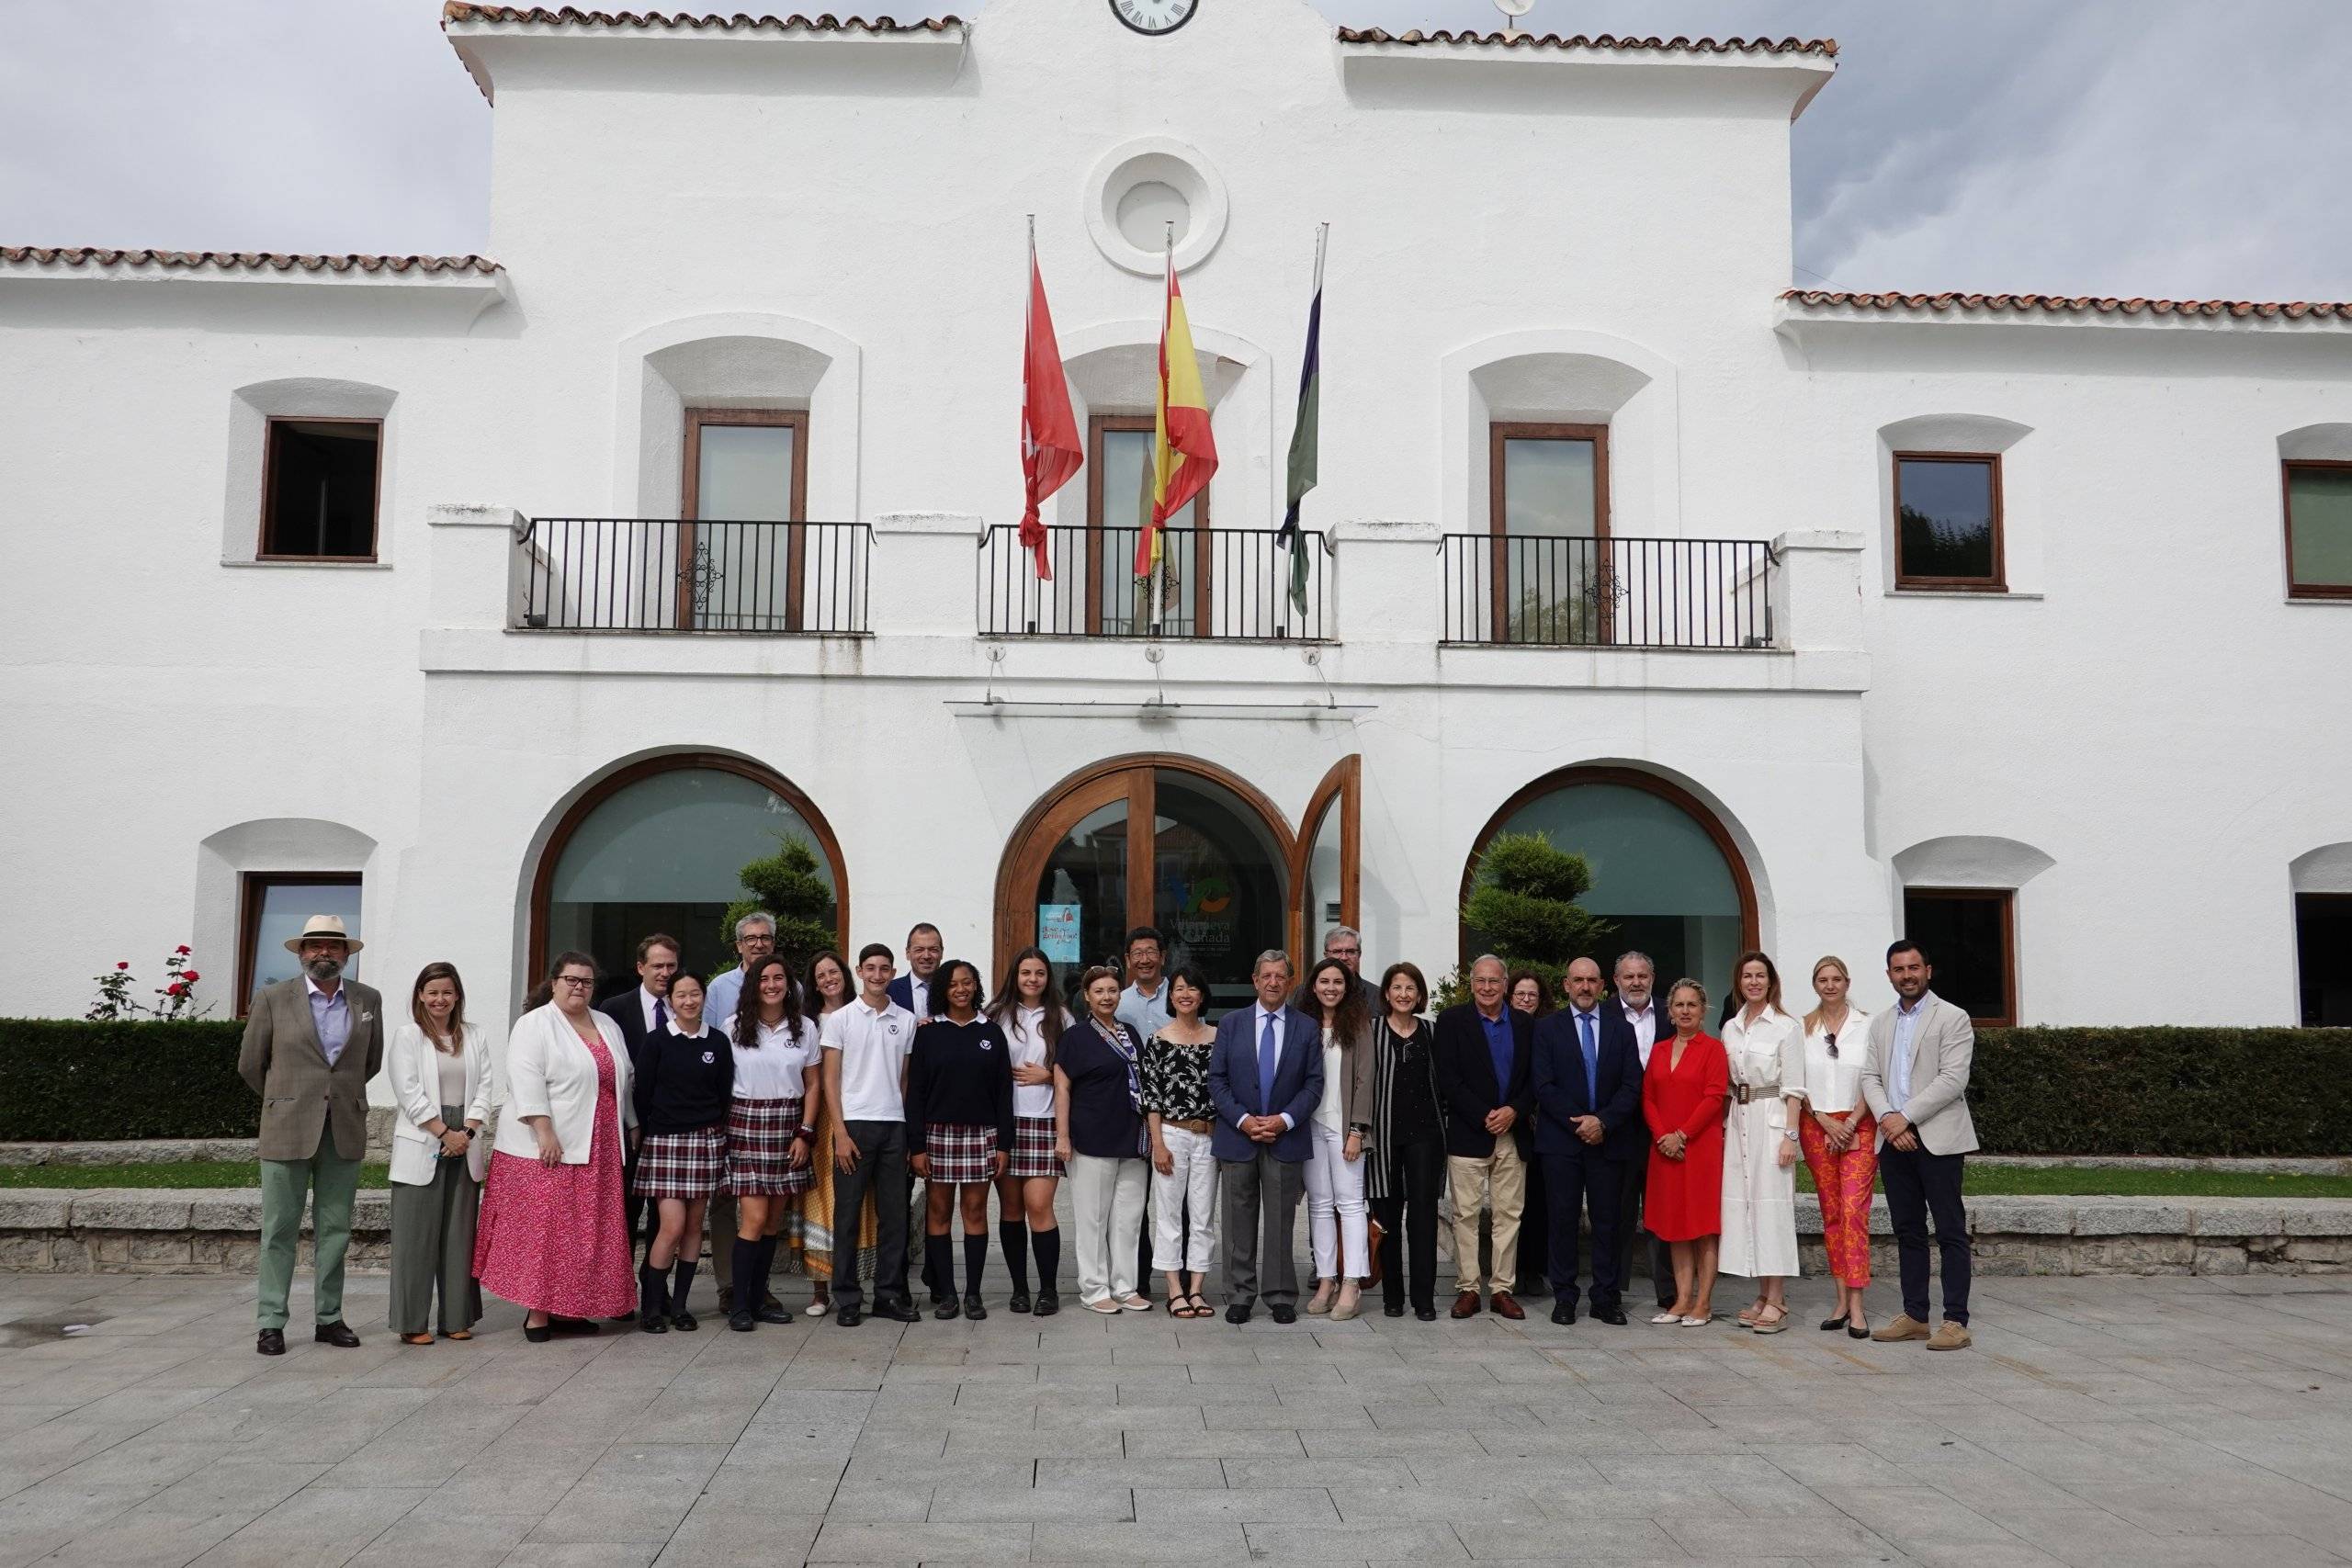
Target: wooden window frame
[252, 888]
[262, 551]
[1340, 790]
[2286, 468]
[2007, 898]
[1095, 426]
[1998, 582]
[1498, 433]
[795, 563]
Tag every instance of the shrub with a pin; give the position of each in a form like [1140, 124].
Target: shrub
[786, 884]
[1523, 908]
[2163, 1091]
[68, 1078]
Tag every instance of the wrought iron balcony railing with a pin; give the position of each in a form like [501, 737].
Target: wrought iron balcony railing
[639, 574]
[1585, 591]
[1232, 584]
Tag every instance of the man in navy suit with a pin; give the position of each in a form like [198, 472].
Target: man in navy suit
[642, 1013]
[911, 990]
[1587, 1124]
[1483, 1056]
[1266, 1078]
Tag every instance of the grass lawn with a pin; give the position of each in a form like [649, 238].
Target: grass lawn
[174, 1173]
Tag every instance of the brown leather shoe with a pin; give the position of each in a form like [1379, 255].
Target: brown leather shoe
[1505, 1307]
[1466, 1304]
[1950, 1337]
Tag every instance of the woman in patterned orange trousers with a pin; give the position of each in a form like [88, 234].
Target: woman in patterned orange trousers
[1840, 1139]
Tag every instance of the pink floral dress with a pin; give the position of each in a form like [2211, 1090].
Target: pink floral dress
[552, 1237]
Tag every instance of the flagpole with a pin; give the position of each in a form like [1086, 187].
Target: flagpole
[1291, 611]
[1159, 481]
[1029, 590]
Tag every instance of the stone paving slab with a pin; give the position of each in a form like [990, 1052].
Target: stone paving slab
[2163, 1421]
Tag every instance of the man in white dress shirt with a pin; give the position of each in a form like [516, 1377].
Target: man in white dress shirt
[1636, 978]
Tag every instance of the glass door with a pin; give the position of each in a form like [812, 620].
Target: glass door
[740, 545]
[1552, 585]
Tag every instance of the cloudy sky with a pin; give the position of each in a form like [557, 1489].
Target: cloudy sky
[2070, 146]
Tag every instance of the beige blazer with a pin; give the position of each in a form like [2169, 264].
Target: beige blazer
[1943, 1049]
[1354, 1087]
[550, 1073]
[301, 1096]
[416, 1081]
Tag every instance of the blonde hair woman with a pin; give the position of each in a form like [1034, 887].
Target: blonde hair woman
[1840, 1138]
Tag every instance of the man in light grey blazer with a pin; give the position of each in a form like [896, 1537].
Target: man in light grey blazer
[1915, 1079]
[311, 1045]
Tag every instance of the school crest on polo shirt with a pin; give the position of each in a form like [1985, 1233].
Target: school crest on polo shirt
[708, 1058]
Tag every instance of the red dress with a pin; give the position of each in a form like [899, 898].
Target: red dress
[552, 1238]
[1684, 1199]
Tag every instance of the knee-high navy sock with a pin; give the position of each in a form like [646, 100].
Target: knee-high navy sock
[681, 1281]
[1049, 1257]
[651, 1298]
[939, 1266]
[745, 1291]
[1013, 1240]
[767, 1266]
[975, 1260]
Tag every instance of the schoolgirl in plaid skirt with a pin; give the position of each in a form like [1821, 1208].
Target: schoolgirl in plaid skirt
[959, 1128]
[1028, 1011]
[685, 1084]
[770, 1138]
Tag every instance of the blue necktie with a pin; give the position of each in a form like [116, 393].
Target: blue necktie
[1269, 1052]
[1591, 1061]
[660, 1015]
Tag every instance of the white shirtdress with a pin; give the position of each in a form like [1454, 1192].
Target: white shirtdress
[1760, 1194]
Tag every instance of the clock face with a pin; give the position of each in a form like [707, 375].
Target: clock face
[1154, 18]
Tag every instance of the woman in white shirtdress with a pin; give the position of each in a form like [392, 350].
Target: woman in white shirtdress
[1766, 1047]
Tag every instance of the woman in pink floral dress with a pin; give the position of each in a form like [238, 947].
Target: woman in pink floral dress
[552, 1237]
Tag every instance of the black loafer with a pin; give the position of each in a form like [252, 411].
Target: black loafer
[974, 1308]
[1020, 1301]
[684, 1322]
[849, 1316]
[338, 1335]
[772, 1314]
[1392, 1309]
[1614, 1316]
[1048, 1303]
[1283, 1311]
[946, 1308]
[538, 1335]
[899, 1311]
[653, 1323]
[1563, 1311]
[1426, 1315]
[1237, 1314]
[742, 1322]
[270, 1342]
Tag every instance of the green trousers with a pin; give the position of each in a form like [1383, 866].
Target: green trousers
[329, 1180]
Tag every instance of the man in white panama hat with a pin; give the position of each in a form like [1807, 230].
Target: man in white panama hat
[312, 1043]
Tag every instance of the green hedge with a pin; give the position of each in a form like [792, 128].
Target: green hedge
[65, 1079]
[2163, 1091]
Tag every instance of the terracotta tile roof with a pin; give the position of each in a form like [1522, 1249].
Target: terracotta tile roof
[1822, 46]
[573, 16]
[2065, 305]
[239, 261]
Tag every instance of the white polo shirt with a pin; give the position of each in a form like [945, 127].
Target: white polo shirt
[873, 1047]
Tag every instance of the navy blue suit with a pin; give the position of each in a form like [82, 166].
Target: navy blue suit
[1262, 1183]
[1577, 1175]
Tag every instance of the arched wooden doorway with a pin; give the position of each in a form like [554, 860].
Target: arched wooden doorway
[1666, 872]
[657, 845]
[1216, 862]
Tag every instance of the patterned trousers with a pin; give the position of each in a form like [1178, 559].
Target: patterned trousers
[1843, 1183]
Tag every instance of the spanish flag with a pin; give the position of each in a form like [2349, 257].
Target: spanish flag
[1183, 451]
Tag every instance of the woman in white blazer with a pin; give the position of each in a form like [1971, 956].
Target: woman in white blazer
[553, 1238]
[439, 1069]
[1766, 1049]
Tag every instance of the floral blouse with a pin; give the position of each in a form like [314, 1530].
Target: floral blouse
[1176, 1080]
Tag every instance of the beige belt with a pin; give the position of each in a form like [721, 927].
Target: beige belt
[1742, 1093]
[1199, 1129]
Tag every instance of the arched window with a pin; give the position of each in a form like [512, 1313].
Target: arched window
[1665, 873]
[660, 846]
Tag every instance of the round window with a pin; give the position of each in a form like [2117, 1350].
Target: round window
[1139, 189]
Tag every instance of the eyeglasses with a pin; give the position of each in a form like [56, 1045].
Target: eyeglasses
[582, 980]
[1830, 1039]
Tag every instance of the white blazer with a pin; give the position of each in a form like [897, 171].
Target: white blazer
[415, 1078]
[550, 1073]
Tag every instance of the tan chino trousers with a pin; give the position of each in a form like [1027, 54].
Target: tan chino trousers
[1498, 1182]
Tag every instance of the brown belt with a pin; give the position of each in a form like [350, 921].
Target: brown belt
[1199, 1129]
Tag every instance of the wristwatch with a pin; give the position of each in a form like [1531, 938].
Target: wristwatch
[1790, 1133]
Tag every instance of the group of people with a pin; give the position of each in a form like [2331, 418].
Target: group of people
[797, 1111]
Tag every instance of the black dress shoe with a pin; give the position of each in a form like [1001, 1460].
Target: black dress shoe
[945, 1307]
[1613, 1316]
[975, 1309]
[538, 1335]
[1237, 1314]
[742, 1322]
[1564, 1311]
[270, 1342]
[1427, 1314]
[899, 1311]
[1283, 1311]
[1392, 1309]
[1830, 1326]
[572, 1326]
[684, 1322]
[1020, 1301]
[772, 1314]
[338, 1335]
[653, 1323]
[850, 1314]
[1049, 1303]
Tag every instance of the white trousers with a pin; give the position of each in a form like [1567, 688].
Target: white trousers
[1193, 1182]
[1334, 1208]
[1106, 1209]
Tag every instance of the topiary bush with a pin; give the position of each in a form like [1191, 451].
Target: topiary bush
[787, 886]
[71, 1079]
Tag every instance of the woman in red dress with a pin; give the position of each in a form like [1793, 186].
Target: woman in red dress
[552, 1237]
[1683, 1101]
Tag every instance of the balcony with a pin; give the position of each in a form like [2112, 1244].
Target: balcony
[1221, 584]
[662, 575]
[1533, 591]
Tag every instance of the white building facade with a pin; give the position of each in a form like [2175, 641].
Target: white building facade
[508, 605]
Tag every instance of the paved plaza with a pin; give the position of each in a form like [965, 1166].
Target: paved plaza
[2126, 1421]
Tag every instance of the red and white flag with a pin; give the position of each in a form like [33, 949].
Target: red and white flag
[1050, 452]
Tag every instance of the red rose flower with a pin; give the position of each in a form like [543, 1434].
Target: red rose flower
[124, 965]
[192, 976]
[183, 952]
[173, 990]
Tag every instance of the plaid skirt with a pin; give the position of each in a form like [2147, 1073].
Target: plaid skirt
[759, 1141]
[959, 1155]
[681, 1164]
[1033, 1147]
